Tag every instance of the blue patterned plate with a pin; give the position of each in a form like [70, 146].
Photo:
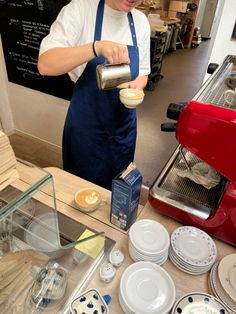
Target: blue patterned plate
[199, 303]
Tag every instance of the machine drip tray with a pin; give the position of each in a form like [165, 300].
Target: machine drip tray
[183, 193]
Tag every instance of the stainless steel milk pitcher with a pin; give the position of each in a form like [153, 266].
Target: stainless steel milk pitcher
[111, 75]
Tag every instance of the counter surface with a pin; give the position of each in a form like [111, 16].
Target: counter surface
[65, 187]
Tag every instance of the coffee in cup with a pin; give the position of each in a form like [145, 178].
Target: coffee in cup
[88, 199]
[131, 97]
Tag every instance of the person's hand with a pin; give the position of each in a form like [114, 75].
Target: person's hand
[115, 53]
[139, 83]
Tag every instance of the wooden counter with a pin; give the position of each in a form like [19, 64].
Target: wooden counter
[65, 187]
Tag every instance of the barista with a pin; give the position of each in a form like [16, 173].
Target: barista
[99, 133]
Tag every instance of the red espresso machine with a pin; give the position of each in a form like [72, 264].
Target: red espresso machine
[206, 130]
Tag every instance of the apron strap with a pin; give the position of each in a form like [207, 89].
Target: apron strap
[132, 29]
[99, 19]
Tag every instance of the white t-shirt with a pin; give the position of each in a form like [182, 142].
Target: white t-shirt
[75, 26]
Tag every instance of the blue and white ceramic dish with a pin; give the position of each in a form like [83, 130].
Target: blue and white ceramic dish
[89, 302]
[199, 303]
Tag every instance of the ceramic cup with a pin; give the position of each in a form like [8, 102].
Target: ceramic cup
[88, 199]
[131, 97]
[230, 97]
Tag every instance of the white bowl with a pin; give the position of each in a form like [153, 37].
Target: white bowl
[87, 200]
[131, 97]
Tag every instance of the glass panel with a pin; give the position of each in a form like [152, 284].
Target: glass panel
[31, 179]
[34, 263]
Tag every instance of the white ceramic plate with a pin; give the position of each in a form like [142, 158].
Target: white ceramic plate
[123, 305]
[188, 270]
[148, 257]
[146, 288]
[193, 246]
[137, 258]
[43, 233]
[181, 262]
[186, 265]
[227, 275]
[218, 290]
[149, 237]
[199, 303]
[145, 258]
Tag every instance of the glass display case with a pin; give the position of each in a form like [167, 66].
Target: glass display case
[42, 268]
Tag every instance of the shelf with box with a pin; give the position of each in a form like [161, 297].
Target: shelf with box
[158, 42]
[186, 12]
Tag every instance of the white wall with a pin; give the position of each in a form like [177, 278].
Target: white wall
[200, 13]
[224, 45]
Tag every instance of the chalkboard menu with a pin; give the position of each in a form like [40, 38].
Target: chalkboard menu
[23, 24]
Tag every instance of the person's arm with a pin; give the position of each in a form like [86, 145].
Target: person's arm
[57, 61]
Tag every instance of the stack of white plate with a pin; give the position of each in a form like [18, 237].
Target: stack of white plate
[192, 250]
[146, 288]
[197, 302]
[222, 281]
[149, 241]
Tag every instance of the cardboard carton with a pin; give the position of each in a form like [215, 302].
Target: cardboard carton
[126, 188]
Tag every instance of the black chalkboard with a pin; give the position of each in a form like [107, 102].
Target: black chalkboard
[23, 24]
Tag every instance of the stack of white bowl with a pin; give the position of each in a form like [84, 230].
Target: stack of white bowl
[149, 241]
[146, 288]
[192, 250]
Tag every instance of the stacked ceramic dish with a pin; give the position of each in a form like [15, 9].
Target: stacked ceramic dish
[201, 303]
[149, 241]
[146, 288]
[222, 281]
[192, 250]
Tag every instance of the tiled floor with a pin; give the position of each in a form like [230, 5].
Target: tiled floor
[183, 72]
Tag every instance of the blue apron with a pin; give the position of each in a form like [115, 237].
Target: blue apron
[100, 133]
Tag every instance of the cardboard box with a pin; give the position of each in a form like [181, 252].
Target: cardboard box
[178, 6]
[126, 188]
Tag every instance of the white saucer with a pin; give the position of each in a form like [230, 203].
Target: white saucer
[193, 246]
[218, 290]
[146, 288]
[197, 271]
[149, 237]
[157, 261]
[227, 275]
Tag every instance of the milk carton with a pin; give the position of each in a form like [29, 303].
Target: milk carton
[126, 188]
